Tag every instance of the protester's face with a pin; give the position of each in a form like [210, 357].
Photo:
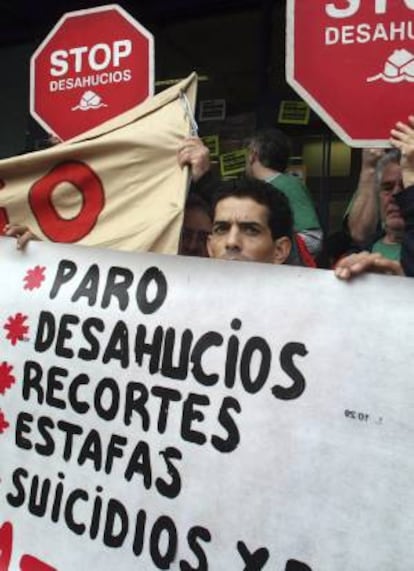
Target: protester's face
[391, 184]
[196, 228]
[241, 232]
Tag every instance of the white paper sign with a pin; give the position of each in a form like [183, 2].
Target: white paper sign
[161, 412]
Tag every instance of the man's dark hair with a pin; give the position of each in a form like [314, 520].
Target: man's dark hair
[272, 147]
[280, 214]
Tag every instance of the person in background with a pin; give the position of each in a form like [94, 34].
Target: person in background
[196, 227]
[253, 222]
[402, 137]
[362, 216]
[267, 159]
[399, 182]
[194, 154]
[246, 227]
[374, 218]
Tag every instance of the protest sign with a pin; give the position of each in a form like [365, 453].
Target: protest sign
[118, 185]
[160, 412]
[355, 58]
[212, 142]
[93, 65]
[233, 163]
[293, 112]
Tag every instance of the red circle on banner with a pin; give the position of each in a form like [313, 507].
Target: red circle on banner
[54, 226]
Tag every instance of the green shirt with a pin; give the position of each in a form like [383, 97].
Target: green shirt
[301, 203]
[390, 251]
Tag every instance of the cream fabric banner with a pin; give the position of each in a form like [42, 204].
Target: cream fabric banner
[117, 186]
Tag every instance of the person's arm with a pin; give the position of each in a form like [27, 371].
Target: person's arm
[363, 215]
[405, 201]
[402, 137]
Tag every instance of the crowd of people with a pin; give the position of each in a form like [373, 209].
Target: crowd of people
[269, 215]
[267, 205]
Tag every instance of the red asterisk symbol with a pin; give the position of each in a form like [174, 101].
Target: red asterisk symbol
[6, 379]
[16, 328]
[34, 277]
[3, 423]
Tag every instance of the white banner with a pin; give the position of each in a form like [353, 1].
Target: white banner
[161, 412]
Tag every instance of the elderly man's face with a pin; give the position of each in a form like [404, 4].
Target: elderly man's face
[241, 232]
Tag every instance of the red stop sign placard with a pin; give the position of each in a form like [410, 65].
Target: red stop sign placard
[352, 61]
[93, 65]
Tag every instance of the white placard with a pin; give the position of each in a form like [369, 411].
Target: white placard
[174, 413]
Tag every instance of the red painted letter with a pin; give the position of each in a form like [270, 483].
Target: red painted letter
[29, 563]
[55, 227]
[6, 540]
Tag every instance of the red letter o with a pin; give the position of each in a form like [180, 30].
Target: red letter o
[59, 229]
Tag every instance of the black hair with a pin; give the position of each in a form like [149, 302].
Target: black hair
[272, 147]
[280, 219]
